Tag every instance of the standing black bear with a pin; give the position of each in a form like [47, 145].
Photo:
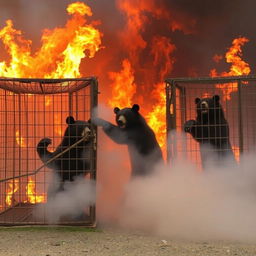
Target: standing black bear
[211, 130]
[133, 131]
[73, 162]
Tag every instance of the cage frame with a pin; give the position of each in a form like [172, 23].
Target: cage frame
[171, 84]
[93, 83]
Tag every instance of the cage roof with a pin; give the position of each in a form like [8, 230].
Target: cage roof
[45, 86]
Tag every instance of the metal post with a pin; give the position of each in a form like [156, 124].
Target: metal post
[240, 118]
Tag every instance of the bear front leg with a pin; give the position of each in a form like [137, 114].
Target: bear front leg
[100, 122]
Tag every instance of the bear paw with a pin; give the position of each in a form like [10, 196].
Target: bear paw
[188, 125]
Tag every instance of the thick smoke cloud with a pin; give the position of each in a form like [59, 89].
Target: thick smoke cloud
[181, 203]
[70, 203]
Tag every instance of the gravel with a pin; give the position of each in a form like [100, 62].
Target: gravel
[51, 241]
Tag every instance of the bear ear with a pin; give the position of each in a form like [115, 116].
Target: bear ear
[197, 100]
[136, 107]
[116, 110]
[70, 120]
[216, 98]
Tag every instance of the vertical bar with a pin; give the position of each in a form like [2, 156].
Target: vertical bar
[70, 103]
[93, 155]
[19, 145]
[240, 118]
[167, 113]
[171, 119]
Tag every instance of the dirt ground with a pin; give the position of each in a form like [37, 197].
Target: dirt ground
[72, 241]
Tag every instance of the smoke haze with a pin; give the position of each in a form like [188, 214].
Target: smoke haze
[71, 203]
[180, 202]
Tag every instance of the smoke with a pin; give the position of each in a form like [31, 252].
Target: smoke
[113, 171]
[70, 203]
[180, 202]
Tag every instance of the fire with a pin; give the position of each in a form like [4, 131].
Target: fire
[162, 49]
[123, 86]
[33, 197]
[238, 66]
[59, 56]
[156, 118]
[20, 140]
[13, 187]
[60, 53]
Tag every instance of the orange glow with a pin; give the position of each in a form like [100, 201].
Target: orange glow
[32, 196]
[57, 125]
[238, 67]
[20, 140]
[236, 152]
[206, 95]
[60, 53]
[123, 86]
[48, 101]
[13, 187]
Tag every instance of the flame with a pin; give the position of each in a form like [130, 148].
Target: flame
[33, 198]
[157, 117]
[162, 49]
[238, 67]
[123, 86]
[61, 51]
[13, 187]
[20, 140]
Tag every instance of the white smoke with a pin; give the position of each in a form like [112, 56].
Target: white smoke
[179, 201]
[72, 203]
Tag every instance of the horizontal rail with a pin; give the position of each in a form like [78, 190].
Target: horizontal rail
[45, 164]
[220, 79]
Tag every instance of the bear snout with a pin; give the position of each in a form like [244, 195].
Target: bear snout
[204, 107]
[121, 122]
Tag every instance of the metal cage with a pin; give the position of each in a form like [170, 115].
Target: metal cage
[238, 100]
[31, 109]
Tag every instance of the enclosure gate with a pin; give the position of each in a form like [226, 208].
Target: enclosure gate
[31, 109]
[238, 99]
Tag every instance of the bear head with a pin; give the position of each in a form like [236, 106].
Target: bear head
[209, 108]
[77, 130]
[128, 117]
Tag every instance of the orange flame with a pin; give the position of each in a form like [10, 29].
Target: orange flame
[157, 117]
[13, 187]
[123, 86]
[61, 51]
[162, 49]
[238, 67]
[20, 140]
[33, 197]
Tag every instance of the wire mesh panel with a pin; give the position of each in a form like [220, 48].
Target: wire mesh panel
[237, 99]
[30, 110]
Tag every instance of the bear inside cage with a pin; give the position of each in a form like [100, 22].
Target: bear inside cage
[213, 119]
[47, 143]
